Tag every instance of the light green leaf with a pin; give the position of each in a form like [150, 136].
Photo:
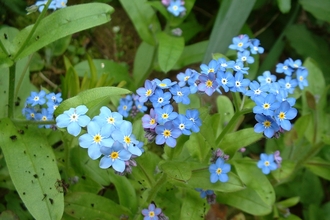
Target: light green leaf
[285, 171]
[93, 99]
[319, 167]
[288, 202]
[225, 109]
[143, 17]
[191, 54]
[232, 142]
[143, 63]
[84, 205]
[319, 8]
[193, 207]
[33, 169]
[176, 169]
[169, 51]
[227, 25]
[7, 35]
[62, 23]
[316, 82]
[284, 5]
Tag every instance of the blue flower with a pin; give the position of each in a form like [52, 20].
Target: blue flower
[36, 98]
[180, 94]
[109, 120]
[124, 136]
[240, 83]
[176, 8]
[160, 98]
[149, 121]
[255, 48]
[267, 163]
[225, 80]
[240, 43]
[183, 123]
[54, 98]
[211, 68]
[219, 171]
[184, 77]
[204, 193]
[165, 114]
[30, 113]
[208, 83]
[140, 106]
[266, 78]
[114, 156]
[239, 67]
[193, 115]
[167, 134]
[266, 125]
[146, 91]
[96, 137]
[223, 64]
[302, 74]
[266, 105]
[295, 64]
[245, 57]
[256, 90]
[42, 4]
[73, 119]
[151, 213]
[288, 84]
[284, 68]
[45, 115]
[125, 105]
[285, 113]
[164, 84]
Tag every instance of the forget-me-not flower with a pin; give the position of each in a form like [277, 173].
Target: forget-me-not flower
[267, 163]
[219, 171]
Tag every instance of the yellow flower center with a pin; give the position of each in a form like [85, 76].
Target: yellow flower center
[240, 44]
[267, 124]
[219, 171]
[186, 78]
[266, 106]
[114, 155]
[125, 107]
[167, 133]
[301, 78]
[175, 7]
[211, 70]
[148, 92]
[32, 115]
[152, 121]
[209, 83]
[111, 120]
[281, 115]
[97, 138]
[165, 115]
[44, 118]
[127, 139]
[266, 163]
[151, 214]
[162, 85]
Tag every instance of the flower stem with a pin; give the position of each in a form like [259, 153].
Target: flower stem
[33, 30]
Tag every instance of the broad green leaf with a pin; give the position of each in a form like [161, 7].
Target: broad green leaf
[161, 8]
[316, 82]
[285, 171]
[227, 25]
[191, 54]
[195, 103]
[288, 202]
[33, 169]
[84, 205]
[143, 61]
[198, 146]
[93, 99]
[143, 17]
[232, 142]
[225, 109]
[284, 5]
[62, 23]
[319, 167]
[14, 204]
[37, 63]
[315, 194]
[259, 196]
[176, 170]
[57, 48]
[319, 8]
[169, 51]
[7, 35]
[192, 206]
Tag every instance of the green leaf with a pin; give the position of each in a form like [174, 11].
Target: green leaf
[62, 23]
[316, 82]
[225, 109]
[59, 46]
[143, 17]
[191, 54]
[169, 51]
[285, 171]
[288, 202]
[319, 167]
[176, 169]
[319, 8]
[193, 207]
[33, 169]
[7, 35]
[284, 5]
[232, 142]
[259, 196]
[143, 61]
[84, 205]
[227, 25]
[93, 99]
[198, 146]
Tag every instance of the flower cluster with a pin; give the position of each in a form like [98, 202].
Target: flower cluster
[175, 7]
[219, 168]
[269, 162]
[40, 106]
[55, 4]
[108, 135]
